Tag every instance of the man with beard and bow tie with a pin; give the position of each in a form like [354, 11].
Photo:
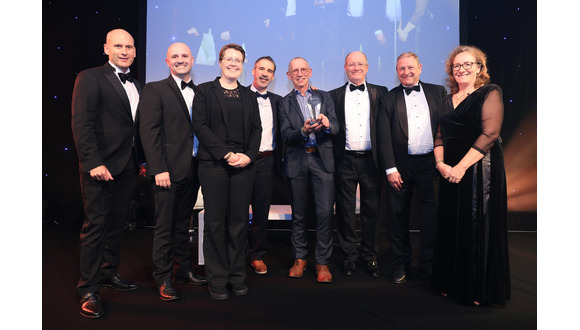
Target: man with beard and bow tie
[267, 164]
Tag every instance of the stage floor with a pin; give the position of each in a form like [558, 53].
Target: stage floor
[276, 301]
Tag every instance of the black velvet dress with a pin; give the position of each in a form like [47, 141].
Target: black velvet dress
[471, 257]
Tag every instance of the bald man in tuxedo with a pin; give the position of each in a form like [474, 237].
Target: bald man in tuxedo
[104, 125]
[166, 130]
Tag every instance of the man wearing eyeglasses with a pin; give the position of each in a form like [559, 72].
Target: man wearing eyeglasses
[307, 123]
[406, 126]
[356, 104]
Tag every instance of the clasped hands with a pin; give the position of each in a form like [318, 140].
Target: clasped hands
[452, 174]
[238, 160]
[311, 126]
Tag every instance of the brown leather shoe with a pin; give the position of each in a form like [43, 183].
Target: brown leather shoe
[298, 269]
[259, 266]
[324, 275]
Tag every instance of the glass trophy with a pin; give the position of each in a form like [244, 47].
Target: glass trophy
[313, 109]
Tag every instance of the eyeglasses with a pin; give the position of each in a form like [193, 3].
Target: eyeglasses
[301, 70]
[229, 60]
[466, 65]
[354, 65]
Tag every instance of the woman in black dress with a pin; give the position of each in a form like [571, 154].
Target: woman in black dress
[226, 121]
[471, 257]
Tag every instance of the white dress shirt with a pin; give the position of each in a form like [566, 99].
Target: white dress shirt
[267, 118]
[357, 119]
[419, 125]
[131, 90]
[188, 95]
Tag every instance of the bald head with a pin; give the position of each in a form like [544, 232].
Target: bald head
[180, 60]
[121, 48]
[356, 67]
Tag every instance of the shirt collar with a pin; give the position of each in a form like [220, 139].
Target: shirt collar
[178, 80]
[297, 92]
[117, 70]
[254, 89]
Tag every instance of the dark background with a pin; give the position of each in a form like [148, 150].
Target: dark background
[73, 34]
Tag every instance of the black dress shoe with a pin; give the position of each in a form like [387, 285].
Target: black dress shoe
[218, 293]
[167, 292]
[118, 283]
[399, 276]
[373, 268]
[191, 277]
[239, 289]
[349, 267]
[91, 306]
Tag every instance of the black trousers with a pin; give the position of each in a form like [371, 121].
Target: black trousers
[106, 208]
[173, 208]
[358, 169]
[226, 197]
[261, 198]
[421, 181]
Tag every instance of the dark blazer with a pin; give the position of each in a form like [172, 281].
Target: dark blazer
[291, 122]
[338, 96]
[278, 143]
[102, 124]
[393, 128]
[166, 129]
[210, 121]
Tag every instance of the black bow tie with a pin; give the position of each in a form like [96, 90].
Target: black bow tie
[186, 84]
[264, 96]
[408, 90]
[125, 77]
[360, 87]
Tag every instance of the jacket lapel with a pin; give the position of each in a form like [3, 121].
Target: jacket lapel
[218, 92]
[175, 89]
[402, 111]
[110, 75]
[295, 106]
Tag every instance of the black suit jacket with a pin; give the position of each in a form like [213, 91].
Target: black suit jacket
[338, 96]
[291, 122]
[102, 124]
[210, 121]
[166, 129]
[393, 127]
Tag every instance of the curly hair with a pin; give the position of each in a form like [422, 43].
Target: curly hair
[480, 58]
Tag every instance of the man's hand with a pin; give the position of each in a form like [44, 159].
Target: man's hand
[311, 126]
[101, 173]
[395, 180]
[324, 121]
[162, 180]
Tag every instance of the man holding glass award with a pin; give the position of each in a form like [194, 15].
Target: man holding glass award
[307, 123]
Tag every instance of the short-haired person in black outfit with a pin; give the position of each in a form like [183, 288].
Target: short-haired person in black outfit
[407, 122]
[355, 157]
[166, 130]
[104, 126]
[268, 163]
[226, 120]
